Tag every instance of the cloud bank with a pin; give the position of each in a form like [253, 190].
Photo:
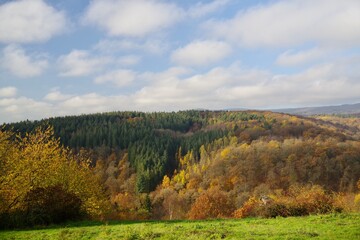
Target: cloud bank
[29, 21]
[293, 22]
[132, 18]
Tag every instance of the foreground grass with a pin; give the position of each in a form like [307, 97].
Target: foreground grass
[340, 226]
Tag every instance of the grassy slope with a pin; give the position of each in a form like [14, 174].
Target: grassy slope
[343, 226]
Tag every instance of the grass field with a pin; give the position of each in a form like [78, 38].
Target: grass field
[339, 226]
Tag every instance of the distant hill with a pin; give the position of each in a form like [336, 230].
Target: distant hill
[307, 111]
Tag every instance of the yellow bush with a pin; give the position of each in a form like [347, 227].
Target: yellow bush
[248, 209]
[357, 201]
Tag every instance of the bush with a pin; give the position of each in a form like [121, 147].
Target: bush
[51, 205]
[212, 203]
[297, 210]
[15, 219]
[311, 200]
[297, 201]
[43, 206]
[303, 200]
[249, 209]
[275, 210]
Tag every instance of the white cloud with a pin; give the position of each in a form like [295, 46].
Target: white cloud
[324, 84]
[29, 21]
[22, 108]
[93, 103]
[80, 63]
[201, 9]
[134, 18]
[200, 53]
[219, 88]
[55, 96]
[182, 91]
[8, 92]
[291, 58]
[120, 78]
[84, 101]
[236, 86]
[129, 60]
[16, 61]
[293, 22]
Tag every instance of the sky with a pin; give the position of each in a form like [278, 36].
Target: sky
[66, 57]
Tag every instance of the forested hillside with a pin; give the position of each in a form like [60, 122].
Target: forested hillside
[176, 165]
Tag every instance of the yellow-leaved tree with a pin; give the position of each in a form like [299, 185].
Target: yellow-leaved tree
[38, 161]
[7, 153]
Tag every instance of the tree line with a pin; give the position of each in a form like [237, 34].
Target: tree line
[167, 165]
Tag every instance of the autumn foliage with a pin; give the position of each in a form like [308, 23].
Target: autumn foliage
[296, 201]
[40, 179]
[185, 165]
[211, 204]
[248, 209]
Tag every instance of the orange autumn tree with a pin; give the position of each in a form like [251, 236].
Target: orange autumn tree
[212, 203]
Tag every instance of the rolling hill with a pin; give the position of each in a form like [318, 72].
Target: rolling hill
[346, 109]
[166, 165]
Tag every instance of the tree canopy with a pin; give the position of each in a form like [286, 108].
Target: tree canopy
[167, 165]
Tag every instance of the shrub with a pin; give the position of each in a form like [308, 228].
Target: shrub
[15, 219]
[275, 210]
[51, 205]
[297, 201]
[357, 199]
[213, 203]
[248, 209]
[310, 199]
[303, 200]
[43, 206]
[300, 210]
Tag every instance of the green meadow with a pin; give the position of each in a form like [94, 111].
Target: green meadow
[333, 226]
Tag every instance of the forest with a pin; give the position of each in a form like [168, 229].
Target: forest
[177, 165]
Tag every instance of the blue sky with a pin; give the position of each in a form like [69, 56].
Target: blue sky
[71, 57]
